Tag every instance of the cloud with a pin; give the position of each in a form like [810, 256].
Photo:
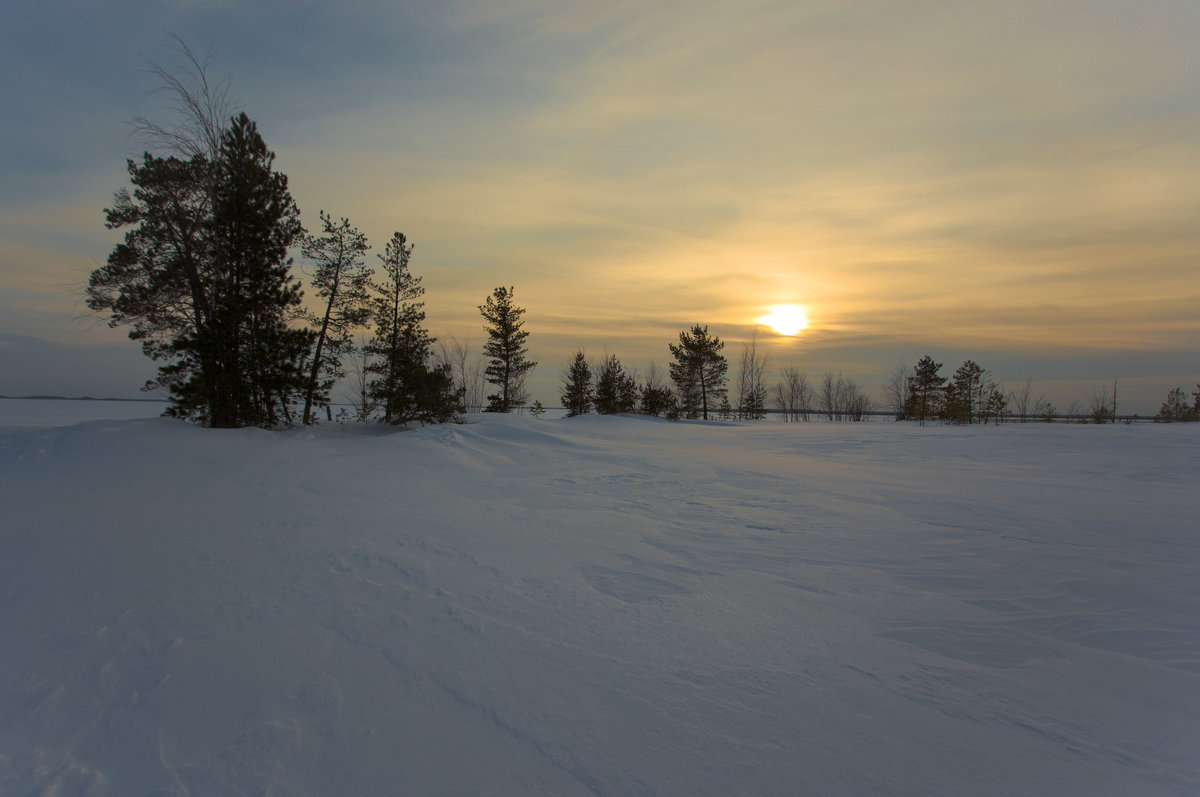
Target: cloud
[990, 174]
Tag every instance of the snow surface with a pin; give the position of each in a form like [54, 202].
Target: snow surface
[600, 606]
[22, 414]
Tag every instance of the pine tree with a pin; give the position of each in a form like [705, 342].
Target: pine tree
[925, 388]
[508, 362]
[725, 412]
[616, 391]
[343, 279]
[1175, 409]
[965, 400]
[576, 393]
[409, 385]
[656, 396]
[698, 371]
[204, 280]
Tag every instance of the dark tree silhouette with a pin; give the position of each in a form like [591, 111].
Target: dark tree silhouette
[408, 384]
[508, 362]
[342, 279]
[698, 371]
[925, 390]
[577, 393]
[616, 391]
[204, 281]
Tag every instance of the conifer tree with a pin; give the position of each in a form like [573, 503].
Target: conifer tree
[343, 280]
[698, 371]
[616, 391]
[204, 280]
[965, 400]
[508, 362]
[1175, 409]
[409, 385]
[576, 393]
[656, 396]
[925, 389]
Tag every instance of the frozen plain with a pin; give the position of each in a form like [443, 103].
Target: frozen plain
[600, 605]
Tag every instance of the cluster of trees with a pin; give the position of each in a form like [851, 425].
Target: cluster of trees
[969, 396]
[972, 396]
[698, 375]
[700, 389]
[1176, 408]
[204, 281]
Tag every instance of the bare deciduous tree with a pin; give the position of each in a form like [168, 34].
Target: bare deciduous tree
[356, 388]
[794, 394]
[467, 368]
[841, 399]
[751, 392]
[1021, 398]
[1099, 408]
[897, 391]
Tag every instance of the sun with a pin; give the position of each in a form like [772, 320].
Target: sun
[785, 319]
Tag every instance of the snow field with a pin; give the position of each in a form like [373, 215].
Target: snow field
[600, 605]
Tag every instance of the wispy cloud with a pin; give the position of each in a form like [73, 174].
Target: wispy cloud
[994, 174]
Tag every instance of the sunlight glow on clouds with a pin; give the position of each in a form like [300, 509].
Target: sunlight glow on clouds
[992, 174]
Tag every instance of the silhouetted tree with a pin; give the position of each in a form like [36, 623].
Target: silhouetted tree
[409, 385]
[963, 395]
[751, 392]
[925, 387]
[794, 395]
[1021, 399]
[204, 280]
[656, 397]
[467, 368]
[842, 399]
[1176, 409]
[1100, 410]
[616, 391]
[343, 280]
[576, 393]
[995, 404]
[698, 371]
[897, 392]
[508, 362]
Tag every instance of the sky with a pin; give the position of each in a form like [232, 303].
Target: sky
[1013, 182]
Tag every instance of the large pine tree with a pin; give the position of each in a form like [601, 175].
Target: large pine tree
[508, 360]
[204, 280]
[698, 371]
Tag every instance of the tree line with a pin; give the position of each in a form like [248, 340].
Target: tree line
[1176, 408]
[700, 386]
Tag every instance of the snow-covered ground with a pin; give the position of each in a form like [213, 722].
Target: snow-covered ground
[600, 606]
[18, 414]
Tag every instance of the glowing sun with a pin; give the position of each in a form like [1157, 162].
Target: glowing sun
[785, 319]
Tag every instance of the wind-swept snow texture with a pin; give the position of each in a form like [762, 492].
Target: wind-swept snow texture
[600, 606]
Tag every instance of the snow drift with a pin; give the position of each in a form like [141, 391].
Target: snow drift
[600, 606]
